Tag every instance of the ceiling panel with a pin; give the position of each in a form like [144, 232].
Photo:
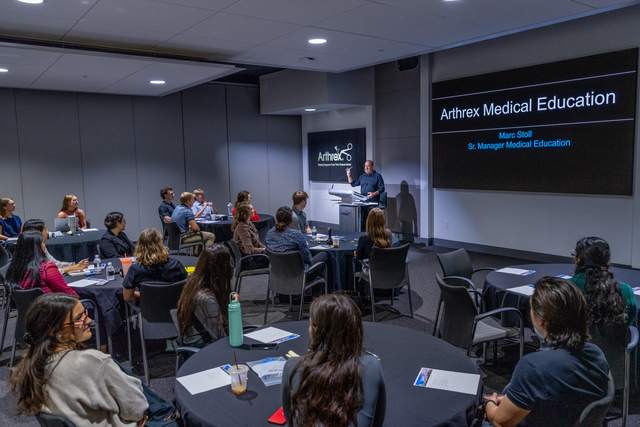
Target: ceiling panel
[243, 29]
[36, 26]
[439, 7]
[71, 9]
[12, 54]
[268, 55]
[98, 62]
[201, 47]
[442, 32]
[20, 76]
[77, 80]
[380, 50]
[329, 63]
[301, 12]
[202, 4]
[119, 37]
[376, 20]
[299, 40]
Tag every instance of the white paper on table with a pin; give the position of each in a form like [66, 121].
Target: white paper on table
[205, 380]
[12, 239]
[523, 290]
[319, 236]
[90, 229]
[516, 271]
[85, 282]
[269, 368]
[268, 334]
[321, 247]
[448, 380]
[636, 291]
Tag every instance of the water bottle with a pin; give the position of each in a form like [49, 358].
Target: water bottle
[96, 262]
[314, 232]
[329, 236]
[111, 272]
[235, 323]
[230, 209]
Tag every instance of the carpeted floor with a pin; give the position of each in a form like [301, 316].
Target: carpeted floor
[423, 265]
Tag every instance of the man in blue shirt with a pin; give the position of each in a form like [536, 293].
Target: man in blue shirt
[183, 216]
[371, 184]
[200, 208]
[166, 208]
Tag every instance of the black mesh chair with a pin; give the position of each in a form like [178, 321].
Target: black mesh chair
[165, 233]
[289, 277]
[388, 269]
[458, 271]
[157, 299]
[617, 342]
[22, 298]
[593, 414]
[240, 270]
[5, 256]
[262, 226]
[50, 420]
[175, 239]
[464, 324]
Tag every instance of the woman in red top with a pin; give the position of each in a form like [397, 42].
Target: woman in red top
[29, 269]
[244, 196]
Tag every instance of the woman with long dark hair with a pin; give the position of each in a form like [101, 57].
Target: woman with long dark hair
[377, 235]
[70, 208]
[243, 197]
[29, 267]
[114, 242]
[553, 385]
[203, 306]
[63, 267]
[58, 376]
[335, 384]
[608, 301]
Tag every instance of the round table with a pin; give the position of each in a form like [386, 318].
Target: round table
[222, 228]
[402, 353]
[341, 257]
[497, 285]
[81, 245]
[108, 297]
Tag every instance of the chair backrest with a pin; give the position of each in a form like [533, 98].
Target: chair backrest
[458, 314]
[456, 263]
[156, 301]
[3, 272]
[612, 340]
[23, 298]
[594, 413]
[174, 234]
[164, 227]
[4, 256]
[388, 267]
[383, 200]
[263, 227]
[50, 420]
[174, 317]
[235, 250]
[287, 272]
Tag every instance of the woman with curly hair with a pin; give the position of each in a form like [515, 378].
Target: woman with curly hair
[336, 383]
[609, 301]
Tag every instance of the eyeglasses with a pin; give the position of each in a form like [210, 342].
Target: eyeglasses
[80, 322]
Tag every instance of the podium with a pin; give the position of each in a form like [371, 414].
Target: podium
[350, 215]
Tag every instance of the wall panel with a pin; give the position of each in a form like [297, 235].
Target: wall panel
[285, 155]
[11, 184]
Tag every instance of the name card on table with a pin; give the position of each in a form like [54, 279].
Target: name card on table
[448, 380]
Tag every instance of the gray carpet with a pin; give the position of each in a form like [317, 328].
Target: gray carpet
[423, 265]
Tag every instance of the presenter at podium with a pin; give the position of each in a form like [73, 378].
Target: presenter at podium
[371, 184]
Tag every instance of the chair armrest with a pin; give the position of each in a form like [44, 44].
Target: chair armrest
[478, 295]
[247, 328]
[475, 270]
[634, 338]
[191, 350]
[471, 284]
[502, 310]
[256, 256]
[315, 266]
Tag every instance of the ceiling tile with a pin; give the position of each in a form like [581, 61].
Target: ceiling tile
[70, 9]
[20, 76]
[509, 14]
[376, 20]
[146, 15]
[110, 35]
[34, 26]
[243, 29]
[202, 4]
[77, 80]
[26, 55]
[299, 40]
[267, 55]
[101, 62]
[381, 50]
[445, 31]
[439, 7]
[301, 12]
[201, 47]
[329, 63]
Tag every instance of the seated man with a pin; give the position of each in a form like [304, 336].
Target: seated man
[299, 217]
[202, 209]
[183, 216]
[166, 208]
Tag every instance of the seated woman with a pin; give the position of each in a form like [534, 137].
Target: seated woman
[153, 265]
[10, 224]
[70, 208]
[558, 381]
[243, 197]
[282, 239]
[63, 267]
[29, 267]
[246, 236]
[58, 376]
[609, 301]
[377, 235]
[335, 384]
[203, 306]
[114, 242]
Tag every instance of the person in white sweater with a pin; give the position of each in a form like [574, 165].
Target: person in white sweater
[57, 376]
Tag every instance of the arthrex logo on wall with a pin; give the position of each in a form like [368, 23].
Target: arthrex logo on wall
[331, 152]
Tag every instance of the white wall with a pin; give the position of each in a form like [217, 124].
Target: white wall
[547, 223]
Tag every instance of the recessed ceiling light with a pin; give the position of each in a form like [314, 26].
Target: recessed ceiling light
[309, 109]
[31, 1]
[157, 82]
[317, 41]
[3, 70]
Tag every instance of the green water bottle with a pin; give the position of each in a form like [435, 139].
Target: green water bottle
[235, 322]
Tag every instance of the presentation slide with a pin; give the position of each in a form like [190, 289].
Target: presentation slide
[562, 127]
[332, 152]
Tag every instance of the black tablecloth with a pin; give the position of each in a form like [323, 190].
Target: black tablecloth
[341, 258]
[402, 353]
[82, 245]
[108, 297]
[222, 229]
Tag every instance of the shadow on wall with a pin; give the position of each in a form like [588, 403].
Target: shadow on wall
[402, 211]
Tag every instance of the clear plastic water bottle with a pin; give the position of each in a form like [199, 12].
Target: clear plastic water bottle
[111, 272]
[230, 209]
[314, 232]
[236, 338]
[96, 262]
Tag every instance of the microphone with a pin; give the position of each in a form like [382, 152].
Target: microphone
[345, 174]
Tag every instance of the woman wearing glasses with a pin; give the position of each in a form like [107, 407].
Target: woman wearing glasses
[46, 380]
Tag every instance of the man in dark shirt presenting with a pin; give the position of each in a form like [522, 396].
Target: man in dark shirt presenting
[166, 208]
[371, 184]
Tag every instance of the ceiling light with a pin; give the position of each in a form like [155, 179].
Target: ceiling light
[3, 70]
[309, 109]
[157, 82]
[31, 1]
[317, 41]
